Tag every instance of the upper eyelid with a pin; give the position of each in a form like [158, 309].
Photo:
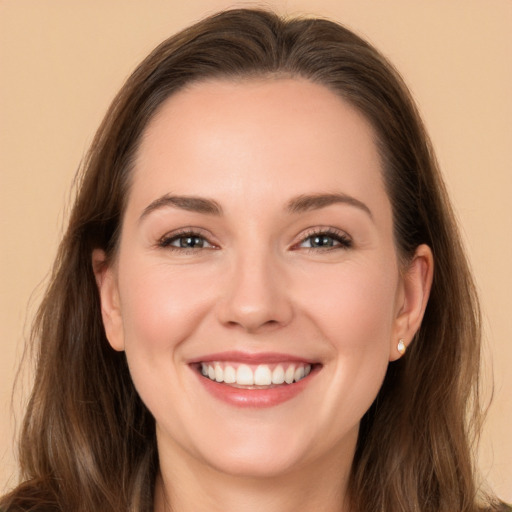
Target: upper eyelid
[324, 230]
[344, 239]
[187, 231]
[304, 235]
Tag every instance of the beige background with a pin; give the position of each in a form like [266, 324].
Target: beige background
[61, 61]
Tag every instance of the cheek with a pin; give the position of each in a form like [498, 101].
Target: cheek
[161, 305]
[161, 308]
[354, 305]
[355, 310]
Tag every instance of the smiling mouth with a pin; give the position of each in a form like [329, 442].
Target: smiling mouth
[261, 376]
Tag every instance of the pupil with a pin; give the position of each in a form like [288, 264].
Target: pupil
[322, 241]
[191, 242]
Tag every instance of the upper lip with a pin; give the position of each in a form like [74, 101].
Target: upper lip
[250, 358]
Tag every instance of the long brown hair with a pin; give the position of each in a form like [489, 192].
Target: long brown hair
[88, 442]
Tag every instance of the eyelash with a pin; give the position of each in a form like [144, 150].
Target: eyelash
[342, 240]
[166, 241]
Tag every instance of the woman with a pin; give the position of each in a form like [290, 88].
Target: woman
[243, 313]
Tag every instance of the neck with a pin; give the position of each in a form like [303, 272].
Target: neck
[187, 485]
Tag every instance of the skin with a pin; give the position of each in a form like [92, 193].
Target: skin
[258, 285]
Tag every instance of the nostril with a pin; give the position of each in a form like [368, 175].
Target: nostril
[253, 326]
[254, 301]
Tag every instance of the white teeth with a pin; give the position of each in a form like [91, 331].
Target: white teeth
[278, 375]
[219, 373]
[244, 376]
[229, 375]
[289, 374]
[261, 376]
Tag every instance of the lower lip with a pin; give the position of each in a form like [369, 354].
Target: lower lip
[255, 398]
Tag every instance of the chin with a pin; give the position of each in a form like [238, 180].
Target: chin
[263, 450]
[261, 465]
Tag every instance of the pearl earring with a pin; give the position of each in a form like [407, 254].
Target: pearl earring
[401, 346]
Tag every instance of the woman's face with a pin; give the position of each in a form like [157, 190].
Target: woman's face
[256, 289]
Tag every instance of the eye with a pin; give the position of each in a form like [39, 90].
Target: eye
[326, 240]
[185, 240]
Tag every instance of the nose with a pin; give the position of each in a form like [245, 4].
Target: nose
[256, 296]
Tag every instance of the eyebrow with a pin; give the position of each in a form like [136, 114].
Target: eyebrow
[189, 203]
[298, 204]
[305, 203]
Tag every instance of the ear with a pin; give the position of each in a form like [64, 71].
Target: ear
[413, 298]
[106, 280]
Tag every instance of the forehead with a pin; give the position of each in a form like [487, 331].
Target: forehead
[256, 138]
